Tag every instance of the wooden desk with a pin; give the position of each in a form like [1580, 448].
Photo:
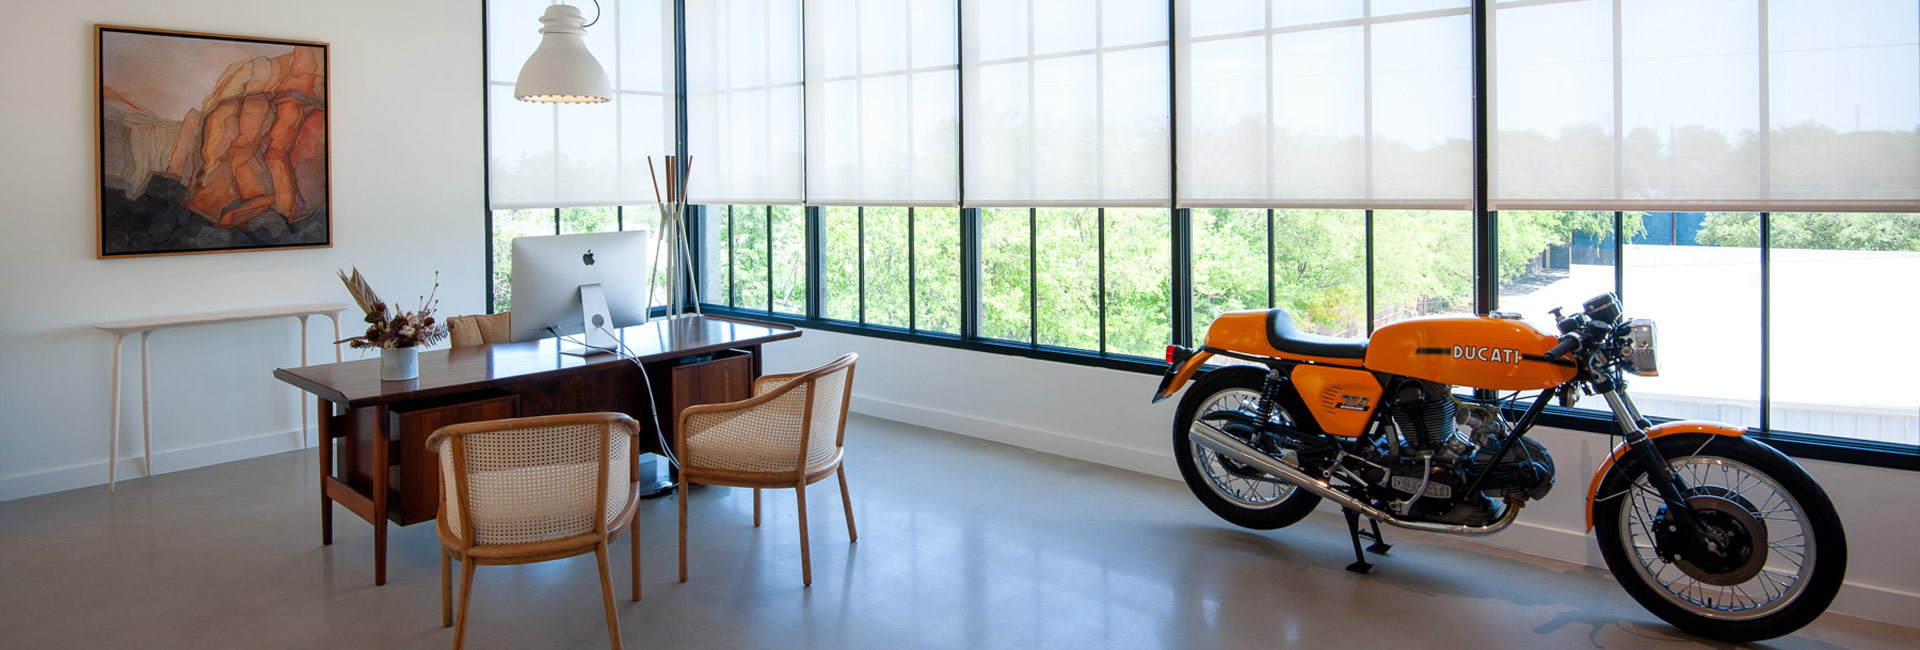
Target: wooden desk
[146, 326]
[377, 430]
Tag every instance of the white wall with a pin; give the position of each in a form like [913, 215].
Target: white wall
[1104, 416]
[407, 201]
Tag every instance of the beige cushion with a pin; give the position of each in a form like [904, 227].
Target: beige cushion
[464, 331]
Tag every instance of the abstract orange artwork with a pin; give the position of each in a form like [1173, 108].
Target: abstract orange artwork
[211, 143]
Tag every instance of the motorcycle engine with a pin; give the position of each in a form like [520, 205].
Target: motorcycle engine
[1450, 443]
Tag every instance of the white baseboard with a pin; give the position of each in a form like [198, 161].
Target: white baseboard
[1855, 599]
[1155, 462]
[131, 468]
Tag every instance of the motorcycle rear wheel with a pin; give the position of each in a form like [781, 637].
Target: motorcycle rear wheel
[1757, 499]
[1239, 494]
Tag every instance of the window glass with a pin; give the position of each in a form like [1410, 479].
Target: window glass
[1422, 264]
[1006, 274]
[507, 226]
[1554, 259]
[716, 254]
[1319, 269]
[1068, 284]
[886, 266]
[1139, 276]
[750, 257]
[1828, 281]
[1229, 264]
[936, 269]
[604, 218]
[1697, 275]
[841, 270]
[789, 242]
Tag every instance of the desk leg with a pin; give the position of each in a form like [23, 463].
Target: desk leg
[303, 363]
[381, 464]
[146, 406]
[113, 416]
[326, 468]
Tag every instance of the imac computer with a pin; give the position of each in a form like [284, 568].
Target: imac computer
[588, 284]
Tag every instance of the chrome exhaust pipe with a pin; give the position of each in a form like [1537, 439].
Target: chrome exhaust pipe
[1220, 442]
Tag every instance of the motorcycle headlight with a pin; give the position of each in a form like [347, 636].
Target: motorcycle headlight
[1639, 348]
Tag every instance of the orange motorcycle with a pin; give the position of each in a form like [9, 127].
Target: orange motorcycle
[1714, 532]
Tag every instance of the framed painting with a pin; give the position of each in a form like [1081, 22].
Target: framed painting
[210, 143]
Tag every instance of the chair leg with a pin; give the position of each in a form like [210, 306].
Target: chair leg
[756, 507]
[846, 501]
[446, 588]
[806, 559]
[606, 593]
[466, 598]
[633, 529]
[681, 496]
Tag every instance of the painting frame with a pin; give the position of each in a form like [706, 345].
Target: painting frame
[109, 210]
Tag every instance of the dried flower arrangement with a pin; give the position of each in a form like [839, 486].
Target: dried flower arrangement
[390, 328]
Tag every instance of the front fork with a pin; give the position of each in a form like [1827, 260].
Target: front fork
[1671, 487]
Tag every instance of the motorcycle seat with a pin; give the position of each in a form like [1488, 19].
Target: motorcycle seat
[1283, 336]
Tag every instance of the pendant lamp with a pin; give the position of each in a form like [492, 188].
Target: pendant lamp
[561, 70]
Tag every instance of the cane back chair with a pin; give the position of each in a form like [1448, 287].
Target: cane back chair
[790, 434]
[527, 490]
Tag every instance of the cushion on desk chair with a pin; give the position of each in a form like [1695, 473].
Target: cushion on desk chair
[464, 331]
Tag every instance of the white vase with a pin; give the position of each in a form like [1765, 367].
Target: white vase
[399, 364]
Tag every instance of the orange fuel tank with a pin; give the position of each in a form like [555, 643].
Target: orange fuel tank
[1471, 351]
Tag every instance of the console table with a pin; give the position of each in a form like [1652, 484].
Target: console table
[146, 327]
[373, 456]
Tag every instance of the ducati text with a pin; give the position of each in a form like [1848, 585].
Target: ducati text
[1484, 353]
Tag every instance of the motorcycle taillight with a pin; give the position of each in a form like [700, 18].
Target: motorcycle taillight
[1171, 351]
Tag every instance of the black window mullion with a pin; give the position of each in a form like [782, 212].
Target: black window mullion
[1100, 226]
[816, 261]
[1619, 256]
[1368, 214]
[1766, 323]
[1272, 277]
[913, 324]
[1033, 276]
[1183, 276]
[768, 233]
[969, 274]
[733, 264]
[860, 242]
[556, 221]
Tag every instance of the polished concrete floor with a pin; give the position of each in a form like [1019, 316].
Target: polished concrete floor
[964, 544]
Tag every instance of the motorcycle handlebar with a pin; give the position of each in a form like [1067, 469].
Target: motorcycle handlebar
[1567, 344]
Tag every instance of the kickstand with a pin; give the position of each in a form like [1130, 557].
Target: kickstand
[1379, 545]
[1360, 564]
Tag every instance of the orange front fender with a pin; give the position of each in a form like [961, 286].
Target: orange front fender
[1658, 431]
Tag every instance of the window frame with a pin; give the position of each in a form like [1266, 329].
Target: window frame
[1485, 251]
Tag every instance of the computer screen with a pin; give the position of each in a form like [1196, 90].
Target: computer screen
[549, 272]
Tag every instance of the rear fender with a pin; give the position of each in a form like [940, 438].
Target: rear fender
[1180, 373]
[1657, 432]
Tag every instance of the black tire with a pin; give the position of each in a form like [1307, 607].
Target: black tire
[1290, 505]
[1821, 569]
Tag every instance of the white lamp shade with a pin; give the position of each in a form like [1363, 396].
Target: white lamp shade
[561, 70]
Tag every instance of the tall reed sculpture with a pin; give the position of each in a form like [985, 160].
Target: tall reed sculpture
[673, 236]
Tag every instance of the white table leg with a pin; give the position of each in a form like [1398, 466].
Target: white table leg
[113, 415]
[303, 363]
[336, 336]
[146, 407]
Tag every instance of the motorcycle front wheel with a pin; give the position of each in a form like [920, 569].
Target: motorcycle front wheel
[1240, 494]
[1780, 553]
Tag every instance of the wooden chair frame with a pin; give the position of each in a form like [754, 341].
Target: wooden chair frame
[799, 479]
[469, 555]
